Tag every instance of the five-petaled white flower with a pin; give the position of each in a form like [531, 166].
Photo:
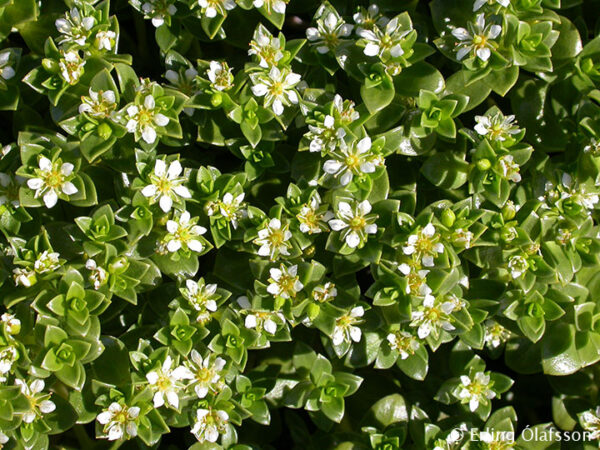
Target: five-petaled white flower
[424, 245]
[366, 19]
[284, 281]
[7, 71]
[166, 383]
[231, 208]
[46, 262]
[24, 277]
[101, 104]
[326, 35]
[8, 356]
[403, 342]
[202, 297]
[344, 110]
[184, 233]
[120, 421]
[39, 402]
[386, 42]
[416, 279]
[220, 76]
[273, 239]
[209, 424]
[357, 159]
[158, 10]
[325, 136]
[431, 316]
[277, 87]
[462, 237]
[52, 179]
[166, 185]
[265, 47]
[277, 6]
[71, 67]
[495, 334]
[477, 39]
[478, 4]
[75, 27]
[105, 40]
[517, 265]
[324, 293]
[210, 8]
[346, 329]
[509, 169]
[590, 422]
[312, 217]
[475, 390]
[206, 373]
[263, 320]
[142, 120]
[98, 274]
[496, 127]
[355, 223]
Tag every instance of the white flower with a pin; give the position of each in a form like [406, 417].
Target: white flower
[346, 329]
[424, 245]
[311, 217]
[355, 223]
[209, 424]
[509, 169]
[477, 40]
[273, 239]
[367, 19]
[120, 421]
[265, 47]
[384, 43]
[158, 10]
[325, 136]
[326, 36]
[166, 383]
[12, 325]
[495, 334]
[9, 190]
[100, 104]
[415, 279]
[8, 356]
[142, 120]
[184, 233]
[578, 194]
[354, 160]
[71, 67]
[277, 87]
[496, 127]
[210, 8]
[590, 422]
[24, 277]
[475, 390]
[51, 179]
[462, 237]
[166, 185]
[105, 40]
[263, 320]
[46, 262]
[324, 293]
[206, 373]
[431, 316]
[402, 342]
[344, 110]
[98, 275]
[231, 208]
[7, 71]
[272, 5]
[74, 27]
[284, 282]
[202, 297]
[185, 80]
[220, 76]
[517, 265]
[39, 402]
[478, 4]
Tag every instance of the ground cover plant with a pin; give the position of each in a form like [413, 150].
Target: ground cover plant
[299, 224]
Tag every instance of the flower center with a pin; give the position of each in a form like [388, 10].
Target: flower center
[357, 223]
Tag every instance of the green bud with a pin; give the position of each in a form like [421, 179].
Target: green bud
[509, 211]
[104, 131]
[313, 311]
[484, 164]
[448, 217]
[216, 99]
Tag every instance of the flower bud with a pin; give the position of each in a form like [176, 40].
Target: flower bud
[484, 164]
[448, 217]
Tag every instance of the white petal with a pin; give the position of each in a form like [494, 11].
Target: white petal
[250, 321]
[35, 183]
[45, 164]
[353, 239]
[371, 49]
[149, 134]
[195, 245]
[69, 188]
[174, 245]
[166, 203]
[484, 53]
[337, 225]
[149, 190]
[332, 166]
[461, 34]
[50, 199]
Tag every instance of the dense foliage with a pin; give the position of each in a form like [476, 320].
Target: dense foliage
[300, 224]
